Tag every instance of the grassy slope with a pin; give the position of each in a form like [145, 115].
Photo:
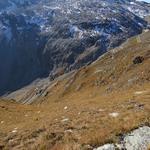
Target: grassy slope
[108, 85]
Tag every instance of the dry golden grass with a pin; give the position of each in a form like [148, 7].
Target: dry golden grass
[113, 84]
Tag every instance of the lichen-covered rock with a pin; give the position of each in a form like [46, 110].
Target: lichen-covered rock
[138, 139]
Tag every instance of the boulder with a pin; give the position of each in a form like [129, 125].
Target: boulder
[138, 60]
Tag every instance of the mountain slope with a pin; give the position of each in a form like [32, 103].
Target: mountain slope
[40, 37]
[86, 108]
[105, 72]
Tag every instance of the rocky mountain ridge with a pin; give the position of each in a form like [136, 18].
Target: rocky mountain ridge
[41, 38]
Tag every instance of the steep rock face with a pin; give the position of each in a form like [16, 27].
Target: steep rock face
[38, 38]
[10, 5]
[20, 46]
